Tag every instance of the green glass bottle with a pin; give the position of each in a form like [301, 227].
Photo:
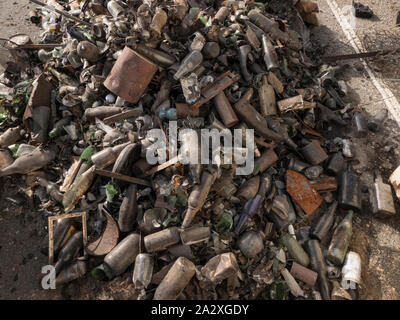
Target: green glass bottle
[340, 240]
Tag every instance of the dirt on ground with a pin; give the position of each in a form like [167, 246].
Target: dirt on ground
[23, 231]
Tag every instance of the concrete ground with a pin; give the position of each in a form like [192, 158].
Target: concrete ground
[22, 232]
[378, 241]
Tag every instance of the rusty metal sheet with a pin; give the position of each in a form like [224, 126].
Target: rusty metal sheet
[301, 191]
[107, 240]
[130, 75]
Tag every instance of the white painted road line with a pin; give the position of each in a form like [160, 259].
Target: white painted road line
[387, 95]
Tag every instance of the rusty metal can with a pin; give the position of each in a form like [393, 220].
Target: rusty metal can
[161, 240]
[313, 153]
[177, 278]
[130, 75]
[225, 110]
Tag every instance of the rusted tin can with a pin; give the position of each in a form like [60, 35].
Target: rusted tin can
[130, 75]
[177, 278]
[313, 153]
[161, 240]
[304, 274]
[225, 110]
